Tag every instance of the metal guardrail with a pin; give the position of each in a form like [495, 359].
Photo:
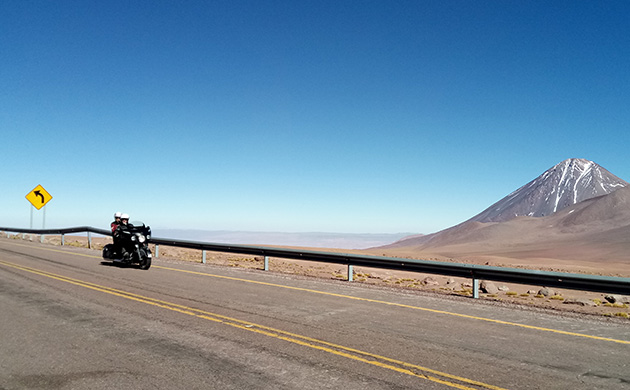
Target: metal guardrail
[583, 282]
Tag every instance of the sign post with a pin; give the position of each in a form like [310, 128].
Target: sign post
[38, 197]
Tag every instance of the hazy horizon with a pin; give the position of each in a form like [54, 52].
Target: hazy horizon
[303, 239]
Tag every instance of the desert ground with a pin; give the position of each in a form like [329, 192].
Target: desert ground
[591, 237]
[527, 297]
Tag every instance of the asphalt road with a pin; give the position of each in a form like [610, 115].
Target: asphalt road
[70, 321]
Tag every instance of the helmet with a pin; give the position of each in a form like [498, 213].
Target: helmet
[124, 216]
[117, 214]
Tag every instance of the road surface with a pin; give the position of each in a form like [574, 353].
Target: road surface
[70, 321]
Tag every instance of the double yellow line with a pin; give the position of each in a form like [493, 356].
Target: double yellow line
[335, 349]
[531, 327]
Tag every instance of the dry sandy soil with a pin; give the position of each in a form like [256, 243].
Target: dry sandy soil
[592, 237]
[511, 294]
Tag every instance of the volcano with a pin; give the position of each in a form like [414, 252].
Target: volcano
[576, 213]
[565, 184]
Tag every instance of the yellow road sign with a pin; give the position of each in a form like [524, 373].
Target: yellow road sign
[38, 197]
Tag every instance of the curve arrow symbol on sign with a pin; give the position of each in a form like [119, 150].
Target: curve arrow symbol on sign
[38, 193]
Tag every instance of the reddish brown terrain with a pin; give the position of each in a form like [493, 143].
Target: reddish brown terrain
[592, 236]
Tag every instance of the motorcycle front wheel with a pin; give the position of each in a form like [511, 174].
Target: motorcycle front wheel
[145, 263]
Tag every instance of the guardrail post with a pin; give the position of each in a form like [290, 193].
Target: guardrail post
[62, 239]
[157, 251]
[266, 263]
[203, 256]
[350, 272]
[89, 240]
[475, 288]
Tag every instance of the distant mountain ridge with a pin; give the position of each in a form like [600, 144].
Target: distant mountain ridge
[573, 196]
[595, 230]
[567, 183]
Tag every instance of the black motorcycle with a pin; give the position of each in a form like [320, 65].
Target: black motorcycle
[132, 247]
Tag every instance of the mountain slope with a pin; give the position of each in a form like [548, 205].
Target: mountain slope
[595, 230]
[565, 184]
[590, 233]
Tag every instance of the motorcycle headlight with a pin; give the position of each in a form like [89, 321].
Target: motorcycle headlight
[141, 238]
[133, 238]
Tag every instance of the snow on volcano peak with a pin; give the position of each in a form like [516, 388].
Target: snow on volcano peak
[566, 183]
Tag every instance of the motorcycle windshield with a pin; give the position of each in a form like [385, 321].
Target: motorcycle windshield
[137, 224]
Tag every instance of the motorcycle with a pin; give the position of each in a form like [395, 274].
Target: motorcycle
[133, 246]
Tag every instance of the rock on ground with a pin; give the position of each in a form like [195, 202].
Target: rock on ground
[429, 281]
[547, 292]
[613, 298]
[488, 287]
[579, 301]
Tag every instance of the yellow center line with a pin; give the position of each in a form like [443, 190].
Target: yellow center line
[531, 327]
[339, 350]
[402, 305]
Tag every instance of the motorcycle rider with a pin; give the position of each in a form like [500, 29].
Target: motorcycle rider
[122, 230]
[114, 226]
[116, 222]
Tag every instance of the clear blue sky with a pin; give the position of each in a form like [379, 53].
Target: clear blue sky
[301, 116]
